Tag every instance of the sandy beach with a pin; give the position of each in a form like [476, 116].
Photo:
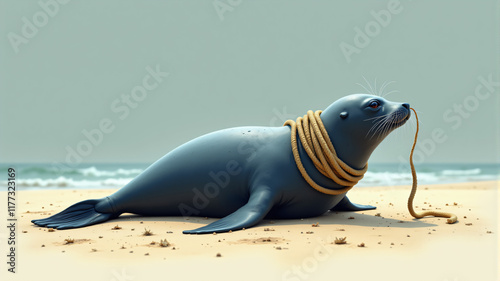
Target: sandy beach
[383, 244]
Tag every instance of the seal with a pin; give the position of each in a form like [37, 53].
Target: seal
[245, 174]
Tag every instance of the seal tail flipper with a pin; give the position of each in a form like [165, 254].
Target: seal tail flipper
[347, 206]
[81, 214]
[250, 214]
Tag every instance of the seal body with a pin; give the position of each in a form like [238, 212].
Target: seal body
[246, 174]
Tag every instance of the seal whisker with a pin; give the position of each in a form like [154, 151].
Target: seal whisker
[387, 126]
[391, 123]
[393, 91]
[376, 124]
[368, 91]
[370, 86]
[379, 125]
[377, 117]
[381, 90]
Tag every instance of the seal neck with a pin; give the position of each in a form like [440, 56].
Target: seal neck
[354, 151]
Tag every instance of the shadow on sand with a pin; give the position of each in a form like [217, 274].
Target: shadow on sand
[329, 218]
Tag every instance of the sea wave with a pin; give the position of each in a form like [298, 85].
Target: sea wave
[38, 176]
[70, 182]
[391, 178]
[445, 176]
[461, 172]
[92, 171]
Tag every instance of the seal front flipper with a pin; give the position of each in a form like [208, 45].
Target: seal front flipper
[259, 204]
[81, 214]
[346, 206]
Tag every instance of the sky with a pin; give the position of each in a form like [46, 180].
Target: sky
[128, 81]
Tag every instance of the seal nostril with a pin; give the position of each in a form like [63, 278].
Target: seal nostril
[406, 105]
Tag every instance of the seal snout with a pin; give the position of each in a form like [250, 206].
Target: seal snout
[408, 114]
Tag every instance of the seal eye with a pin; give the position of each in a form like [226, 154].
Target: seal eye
[374, 104]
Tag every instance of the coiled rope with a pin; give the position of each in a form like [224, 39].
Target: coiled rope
[318, 146]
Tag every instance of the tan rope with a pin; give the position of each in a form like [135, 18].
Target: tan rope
[451, 217]
[318, 146]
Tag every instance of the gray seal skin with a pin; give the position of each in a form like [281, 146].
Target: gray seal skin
[245, 174]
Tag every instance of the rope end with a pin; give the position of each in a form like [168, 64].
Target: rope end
[451, 220]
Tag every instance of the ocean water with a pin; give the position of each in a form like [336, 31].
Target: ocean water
[116, 175]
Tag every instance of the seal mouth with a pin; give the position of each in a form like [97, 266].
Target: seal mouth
[401, 116]
[385, 124]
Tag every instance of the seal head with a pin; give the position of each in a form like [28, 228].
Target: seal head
[366, 120]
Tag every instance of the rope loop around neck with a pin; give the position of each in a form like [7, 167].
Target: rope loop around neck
[318, 146]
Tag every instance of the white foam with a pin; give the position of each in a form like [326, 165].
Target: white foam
[93, 171]
[461, 172]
